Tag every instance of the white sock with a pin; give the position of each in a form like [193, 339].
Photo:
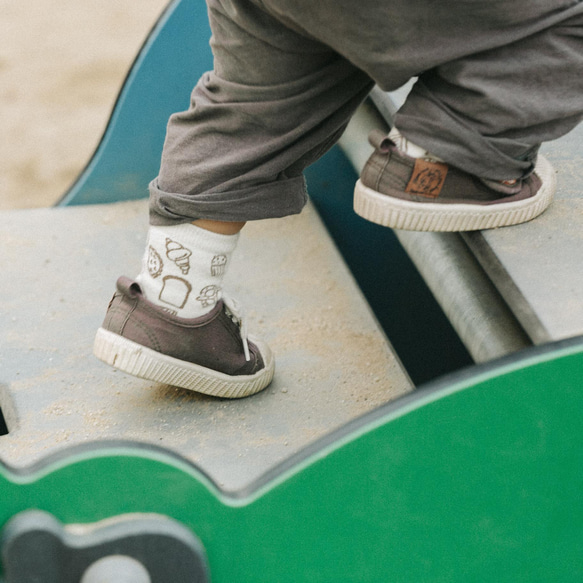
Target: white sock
[409, 148]
[183, 268]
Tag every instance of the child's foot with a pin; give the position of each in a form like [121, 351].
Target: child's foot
[422, 194]
[209, 354]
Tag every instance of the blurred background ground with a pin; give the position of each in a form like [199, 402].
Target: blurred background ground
[62, 63]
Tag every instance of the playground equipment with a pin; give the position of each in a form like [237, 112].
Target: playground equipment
[341, 471]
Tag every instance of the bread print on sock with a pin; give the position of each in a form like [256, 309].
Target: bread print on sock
[175, 291]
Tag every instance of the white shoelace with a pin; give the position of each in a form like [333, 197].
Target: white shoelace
[237, 314]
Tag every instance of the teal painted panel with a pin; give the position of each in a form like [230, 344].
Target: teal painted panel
[478, 478]
[174, 56]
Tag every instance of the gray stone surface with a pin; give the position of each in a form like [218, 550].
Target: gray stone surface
[538, 266]
[58, 270]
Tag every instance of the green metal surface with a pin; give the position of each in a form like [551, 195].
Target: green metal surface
[478, 478]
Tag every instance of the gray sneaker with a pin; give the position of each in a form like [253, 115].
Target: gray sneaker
[210, 354]
[419, 194]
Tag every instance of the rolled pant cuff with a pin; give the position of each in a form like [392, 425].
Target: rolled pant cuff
[266, 201]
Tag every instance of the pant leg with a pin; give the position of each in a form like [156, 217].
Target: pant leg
[489, 112]
[497, 77]
[275, 102]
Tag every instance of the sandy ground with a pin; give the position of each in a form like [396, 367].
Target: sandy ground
[62, 63]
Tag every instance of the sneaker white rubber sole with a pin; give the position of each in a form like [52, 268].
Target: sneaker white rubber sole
[429, 216]
[143, 362]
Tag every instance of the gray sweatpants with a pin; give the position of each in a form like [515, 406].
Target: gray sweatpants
[496, 78]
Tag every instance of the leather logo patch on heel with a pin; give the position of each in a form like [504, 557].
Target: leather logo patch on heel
[427, 178]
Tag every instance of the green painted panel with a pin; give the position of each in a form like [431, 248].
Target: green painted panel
[476, 479]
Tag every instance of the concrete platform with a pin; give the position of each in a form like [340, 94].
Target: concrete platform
[59, 267]
[538, 266]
